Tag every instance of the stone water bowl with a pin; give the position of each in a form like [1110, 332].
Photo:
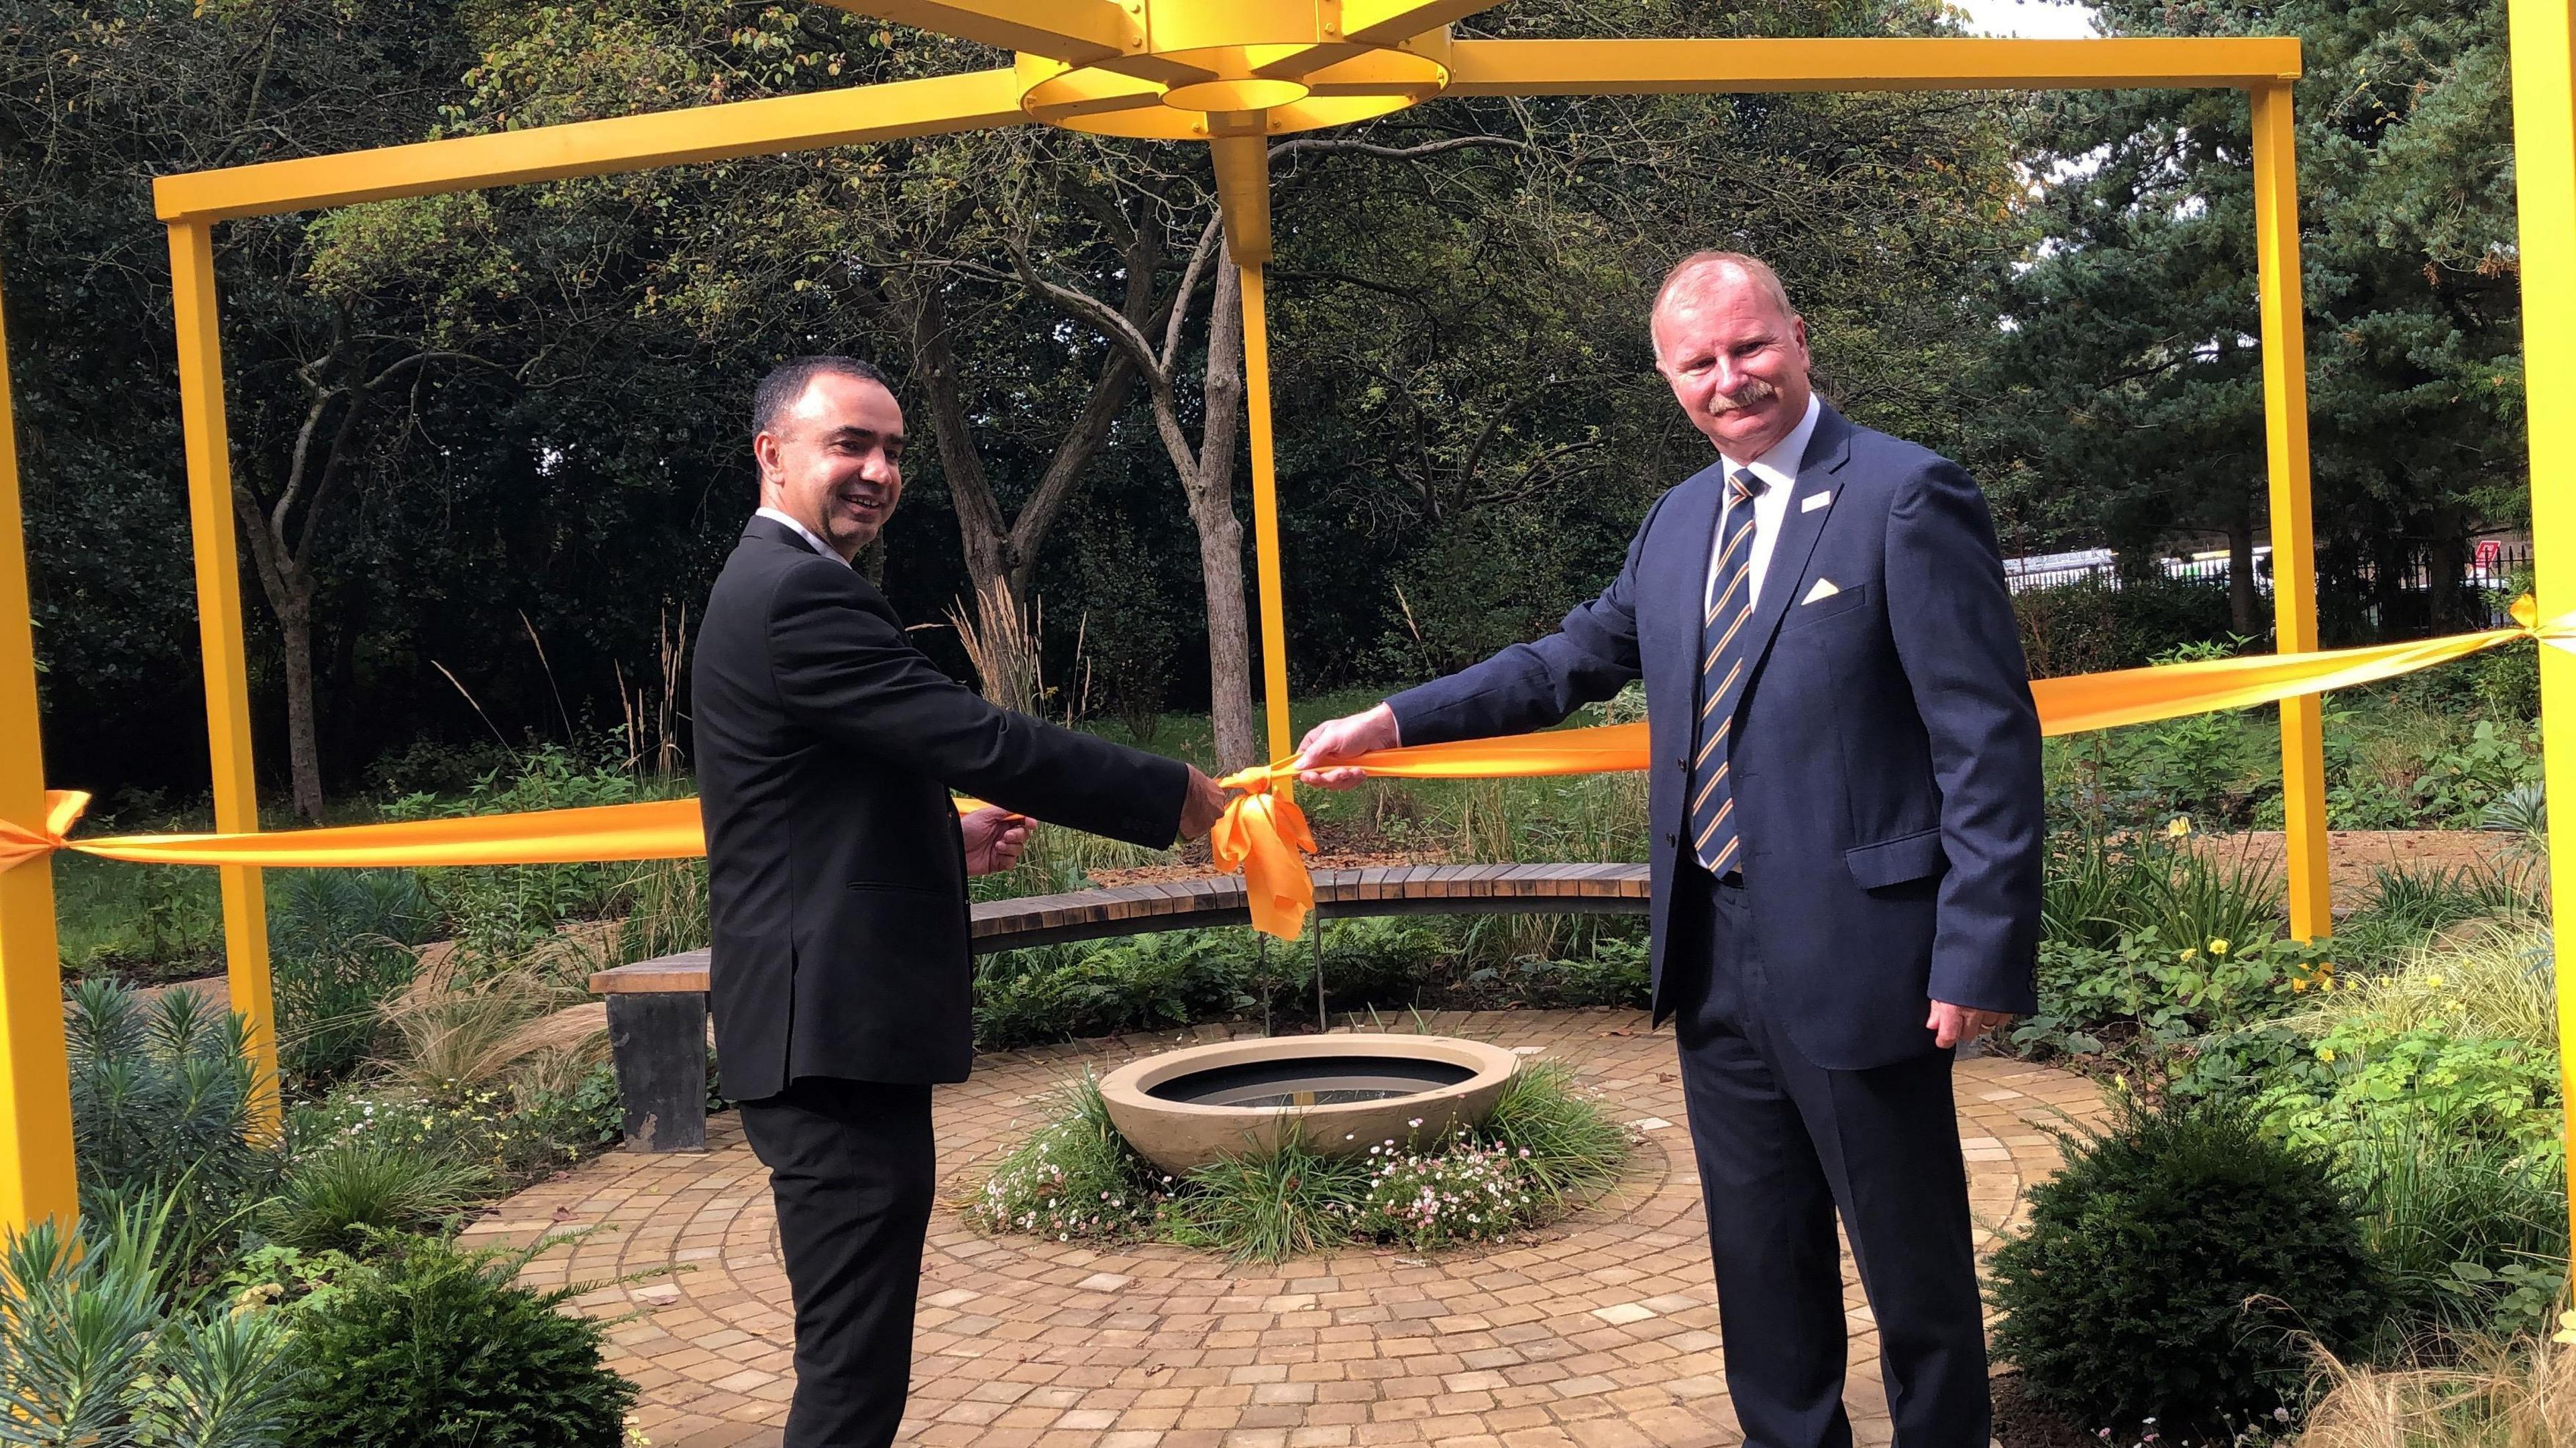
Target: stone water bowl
[1341, 1094]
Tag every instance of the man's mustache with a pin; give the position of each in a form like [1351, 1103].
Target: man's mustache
[1753, 393]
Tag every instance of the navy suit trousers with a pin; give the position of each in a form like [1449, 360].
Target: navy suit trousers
[1784, 1145]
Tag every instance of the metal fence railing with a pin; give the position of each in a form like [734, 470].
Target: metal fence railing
[2488, 578]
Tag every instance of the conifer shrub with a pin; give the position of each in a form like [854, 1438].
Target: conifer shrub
[438, 1348]
[2179, 1269]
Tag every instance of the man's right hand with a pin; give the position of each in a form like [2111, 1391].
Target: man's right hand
[1202, 806]
[1345, 738]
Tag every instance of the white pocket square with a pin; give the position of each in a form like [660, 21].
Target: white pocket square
[1824, 589]
[1813, 501]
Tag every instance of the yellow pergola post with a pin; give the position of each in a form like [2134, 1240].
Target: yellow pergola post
[2294, 544]
[219, 634]
[2544, 151]
[36, 1179]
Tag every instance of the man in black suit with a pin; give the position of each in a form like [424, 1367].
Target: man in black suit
[826, 748]
[1846, 795]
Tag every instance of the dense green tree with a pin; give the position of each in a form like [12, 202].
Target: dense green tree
[2130, 380]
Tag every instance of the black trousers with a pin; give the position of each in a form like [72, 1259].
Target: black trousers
[852, 1165]
[1783, 1146]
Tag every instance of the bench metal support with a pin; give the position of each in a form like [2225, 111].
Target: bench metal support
[658, 1040]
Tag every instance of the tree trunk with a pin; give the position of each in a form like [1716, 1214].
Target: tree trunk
[2241, 598]
[303, 742]
[1211, 496]
[2446, 561]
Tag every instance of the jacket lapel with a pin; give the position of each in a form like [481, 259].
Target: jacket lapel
[1684, 576]
[1828, 448]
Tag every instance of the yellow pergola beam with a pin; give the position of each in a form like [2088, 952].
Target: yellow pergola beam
[36, 1179]
[1637, 67]
[1079, 31]
[2544, 151]
[2294, 541]
[935, 106]
[1384, 22]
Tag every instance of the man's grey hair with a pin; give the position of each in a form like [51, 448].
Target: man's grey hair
[1695, 271]
[787, 382]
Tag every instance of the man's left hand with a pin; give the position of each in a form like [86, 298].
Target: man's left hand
[1951, 1024]
[994, 839]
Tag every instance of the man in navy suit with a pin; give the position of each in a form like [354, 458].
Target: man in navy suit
[1846, 798]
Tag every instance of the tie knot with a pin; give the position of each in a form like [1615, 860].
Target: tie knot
[1745, 484]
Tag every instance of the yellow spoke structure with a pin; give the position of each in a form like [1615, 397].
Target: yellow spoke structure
[1232, 74]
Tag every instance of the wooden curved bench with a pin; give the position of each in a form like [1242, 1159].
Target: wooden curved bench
[657, 1009]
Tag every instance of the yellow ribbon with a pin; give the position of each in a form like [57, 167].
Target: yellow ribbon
[1281, 891]
[664, 829]
[1263, 833]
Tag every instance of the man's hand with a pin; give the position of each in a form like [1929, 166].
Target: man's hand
[1344, 738]
[994, 839]
[1203, 806]
[1951, 1024]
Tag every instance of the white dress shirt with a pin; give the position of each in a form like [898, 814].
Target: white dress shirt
[807, 534]
[1778, 469]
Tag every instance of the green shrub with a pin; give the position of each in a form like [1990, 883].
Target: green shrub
[1292, 1202]
[439, 1349]
[161, 1097]
[2137, 992]
[498, 914]
[2174, 1270]
[2471, 1231]
[339, 1196]
[1566, 1147]
[509, 1133]
[2090, 626]
[1141, 982]
[94, 1352]
[2491, 1088]
[2099, 885]
[1075, 1178]
[340, 947]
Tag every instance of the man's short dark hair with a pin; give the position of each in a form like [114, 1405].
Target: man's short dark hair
[788, 380]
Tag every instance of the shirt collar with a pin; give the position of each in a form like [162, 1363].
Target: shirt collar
[817, 544]
[1779, 466]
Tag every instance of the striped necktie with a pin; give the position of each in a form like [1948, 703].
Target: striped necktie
[1713, 822]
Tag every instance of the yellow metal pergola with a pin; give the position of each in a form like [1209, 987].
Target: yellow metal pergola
[1230, 74]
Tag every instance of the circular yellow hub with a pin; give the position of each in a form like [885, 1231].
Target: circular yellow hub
[1230, 90]
[1253, 93]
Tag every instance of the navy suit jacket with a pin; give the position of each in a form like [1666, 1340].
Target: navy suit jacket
[1885, 748]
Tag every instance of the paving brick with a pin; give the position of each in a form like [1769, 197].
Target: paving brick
[1601, 1335]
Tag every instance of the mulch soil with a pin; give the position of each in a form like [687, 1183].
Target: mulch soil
[2021, 1422]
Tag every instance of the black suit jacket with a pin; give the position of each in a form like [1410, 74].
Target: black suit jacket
[1885, 751]
[836, 873]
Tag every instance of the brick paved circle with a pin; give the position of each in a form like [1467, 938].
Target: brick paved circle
[1602, 1334]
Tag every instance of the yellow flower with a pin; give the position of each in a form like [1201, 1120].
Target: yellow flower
[2187, 955]
[2566, 1332]
[2218, 947]
[2433, 981]
[2326, 1054]
[2301, 985]
[2180, 827]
